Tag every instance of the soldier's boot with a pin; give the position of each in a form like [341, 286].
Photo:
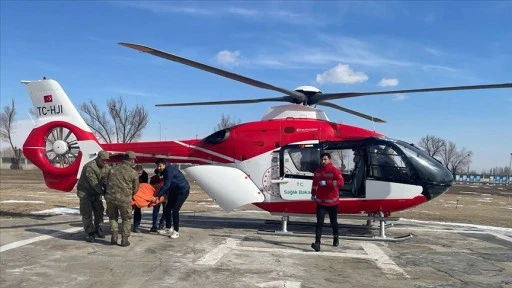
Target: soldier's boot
[316, 246]
[125, 242]
[90, 237]
[99, 232]
[335, 241]
[136, 229]
[113, 239]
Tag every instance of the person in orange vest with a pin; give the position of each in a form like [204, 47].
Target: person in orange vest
[327, 182]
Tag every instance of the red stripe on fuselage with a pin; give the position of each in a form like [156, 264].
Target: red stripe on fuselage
[346, 206]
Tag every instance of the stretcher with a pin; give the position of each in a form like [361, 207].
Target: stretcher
[144, 196]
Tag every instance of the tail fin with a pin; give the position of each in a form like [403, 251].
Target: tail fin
[61, 143]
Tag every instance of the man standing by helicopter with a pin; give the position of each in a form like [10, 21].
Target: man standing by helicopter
[90, 188]
[122, 184]
[325, 192]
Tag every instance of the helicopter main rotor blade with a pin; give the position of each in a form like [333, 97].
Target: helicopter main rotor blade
[368, 117]
[331, 96]
[227, 102]
[299, 97]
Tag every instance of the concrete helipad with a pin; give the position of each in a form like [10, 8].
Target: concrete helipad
[225, 250]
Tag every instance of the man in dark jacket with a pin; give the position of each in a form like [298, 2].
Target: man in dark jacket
[325, 192]
[177, 189]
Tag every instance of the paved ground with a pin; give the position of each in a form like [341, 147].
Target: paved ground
[219, 249]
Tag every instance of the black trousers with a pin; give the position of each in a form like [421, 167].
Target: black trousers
[172, 209]
[137, 217]
[320, 218]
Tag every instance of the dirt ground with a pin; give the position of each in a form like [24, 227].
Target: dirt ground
[473, 204]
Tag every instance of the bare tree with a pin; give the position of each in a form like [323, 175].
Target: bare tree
[7, 127]
[226, 122]
[120, 125]
[455, 159]
[432, 144]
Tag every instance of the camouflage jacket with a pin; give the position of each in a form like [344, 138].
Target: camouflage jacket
[92, 179]
[122, 184]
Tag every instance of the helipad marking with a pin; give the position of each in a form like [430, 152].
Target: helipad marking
[382, 260]
[217, 253]
[280, 283]
[17, 244]
[458, 231]
[351, 254]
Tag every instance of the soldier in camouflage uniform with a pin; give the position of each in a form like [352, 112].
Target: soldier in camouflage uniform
[90, 188]
[122, 184]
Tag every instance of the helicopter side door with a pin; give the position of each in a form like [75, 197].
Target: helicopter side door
[297, 164]
[350, 158]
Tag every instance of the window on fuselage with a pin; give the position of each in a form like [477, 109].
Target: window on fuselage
[302, 161]
[218, 137]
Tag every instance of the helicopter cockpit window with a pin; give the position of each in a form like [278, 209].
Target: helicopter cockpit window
[429, 169]
[387, 165]
[218, 137]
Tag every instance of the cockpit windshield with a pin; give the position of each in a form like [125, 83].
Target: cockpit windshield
[429, 169]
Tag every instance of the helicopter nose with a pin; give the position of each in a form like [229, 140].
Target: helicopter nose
[433, 191]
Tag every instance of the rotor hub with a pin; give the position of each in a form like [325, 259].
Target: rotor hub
[307, 89]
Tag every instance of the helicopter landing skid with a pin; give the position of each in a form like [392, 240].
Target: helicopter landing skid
[381, 237]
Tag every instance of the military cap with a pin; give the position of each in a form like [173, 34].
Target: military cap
[103, 155]
[130, 155]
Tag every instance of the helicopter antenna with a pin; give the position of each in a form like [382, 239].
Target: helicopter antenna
[33, 122]
[373, 123]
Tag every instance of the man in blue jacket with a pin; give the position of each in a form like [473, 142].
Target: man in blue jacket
[177, 189]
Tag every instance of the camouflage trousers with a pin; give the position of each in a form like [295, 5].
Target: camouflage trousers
[113, 212]
[91, 205]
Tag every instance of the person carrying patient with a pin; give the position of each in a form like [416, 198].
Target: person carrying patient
[122, 184]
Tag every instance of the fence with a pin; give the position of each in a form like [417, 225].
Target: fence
[6, 162]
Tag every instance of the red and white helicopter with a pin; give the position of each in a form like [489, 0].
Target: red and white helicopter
[268, 163]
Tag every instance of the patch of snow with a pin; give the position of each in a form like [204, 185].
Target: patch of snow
[59, 211]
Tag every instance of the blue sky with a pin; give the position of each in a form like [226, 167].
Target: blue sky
[336, 46]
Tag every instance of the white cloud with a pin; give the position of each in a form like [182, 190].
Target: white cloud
[432, 51]
[228, 58]
[385, 82]
[341, 74]
[243, 11]
[157, 7]
[439, 67]
[129, 92]
[400, 97]
[219, 11]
